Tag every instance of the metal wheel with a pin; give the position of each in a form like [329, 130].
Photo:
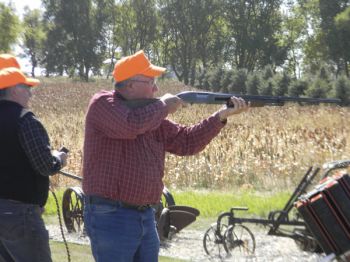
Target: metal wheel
[213, 241]
[72, 209]
[238, 240]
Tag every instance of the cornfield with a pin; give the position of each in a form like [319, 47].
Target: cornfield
[264, 149]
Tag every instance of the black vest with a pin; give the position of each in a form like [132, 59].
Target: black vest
[18, 180]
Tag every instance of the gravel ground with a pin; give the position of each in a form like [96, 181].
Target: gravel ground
[188, 245]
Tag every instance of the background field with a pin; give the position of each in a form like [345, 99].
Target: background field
[266, 149]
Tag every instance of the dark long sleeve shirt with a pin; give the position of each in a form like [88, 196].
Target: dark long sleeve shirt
[36, 145]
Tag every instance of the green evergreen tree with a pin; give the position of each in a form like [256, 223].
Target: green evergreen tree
[254, 84]
[226, 81]
[342, 89]
[282, 84]
[239, 82]
[318, 89]
[297, 87]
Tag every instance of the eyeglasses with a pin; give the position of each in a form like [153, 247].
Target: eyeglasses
[23, 86]
[150, 82]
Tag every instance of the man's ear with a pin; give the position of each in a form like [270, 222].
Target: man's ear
[12, 92]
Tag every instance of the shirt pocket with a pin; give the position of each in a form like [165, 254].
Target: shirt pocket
[12, 225]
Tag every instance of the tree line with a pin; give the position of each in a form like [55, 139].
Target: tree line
[296, 41]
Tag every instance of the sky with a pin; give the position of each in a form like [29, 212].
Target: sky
[20, 4]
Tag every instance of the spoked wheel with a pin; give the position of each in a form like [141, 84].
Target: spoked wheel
[213, 241]
[239, 240]
[72, 209]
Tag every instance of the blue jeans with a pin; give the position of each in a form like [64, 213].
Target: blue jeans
[23, 236]
[120, 234]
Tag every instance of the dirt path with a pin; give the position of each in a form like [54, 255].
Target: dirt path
[188, 245]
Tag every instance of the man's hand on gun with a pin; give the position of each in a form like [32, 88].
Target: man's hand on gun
[234, 106]
[172, 102]
[61, 155]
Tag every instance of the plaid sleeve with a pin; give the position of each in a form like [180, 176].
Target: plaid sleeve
[36, 145]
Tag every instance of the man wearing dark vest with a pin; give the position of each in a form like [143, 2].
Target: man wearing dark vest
[26, 162]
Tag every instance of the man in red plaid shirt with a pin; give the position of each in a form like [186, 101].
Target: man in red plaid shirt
[124, 154]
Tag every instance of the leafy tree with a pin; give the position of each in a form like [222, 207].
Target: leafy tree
[253, 27]
[9, 29]
[311, 46]
[138, 25]
[33, 36]
[188, 30]
[332, 37]
[295, 28]
[342, 22]
[77, 27]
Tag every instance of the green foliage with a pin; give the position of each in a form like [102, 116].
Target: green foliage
[282, 84]
[267, 72]
[239, 82]
[335, 38]
[75, 41]
[267, 87]
[187, 28]
[212, 203]
[318, 89]
[226, 81]
[252, 39]
[254, 84]
[33, 36]
[342, 89]
[9, 29]
[215, 78]
[297, 87]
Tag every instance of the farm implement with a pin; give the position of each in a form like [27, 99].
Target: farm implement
[170, 218]
[230, 235]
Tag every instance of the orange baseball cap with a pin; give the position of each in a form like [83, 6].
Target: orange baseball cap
[12, 76]
[136, 64]
[7, 60]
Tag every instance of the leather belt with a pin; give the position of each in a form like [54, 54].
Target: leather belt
[102, 200]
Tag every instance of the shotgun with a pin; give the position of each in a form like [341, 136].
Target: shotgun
[193, 97]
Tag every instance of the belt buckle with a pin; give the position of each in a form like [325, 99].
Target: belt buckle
[143, 207]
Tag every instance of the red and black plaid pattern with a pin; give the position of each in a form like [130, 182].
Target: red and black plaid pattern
[124, 149]
[36, 145]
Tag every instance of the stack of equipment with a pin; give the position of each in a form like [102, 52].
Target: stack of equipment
[326, 212]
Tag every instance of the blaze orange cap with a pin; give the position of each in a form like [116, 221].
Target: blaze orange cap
[12, 76]
[136, 64]
[7, 60]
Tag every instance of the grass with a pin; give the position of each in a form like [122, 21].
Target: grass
[82, 253]
[210, 202]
